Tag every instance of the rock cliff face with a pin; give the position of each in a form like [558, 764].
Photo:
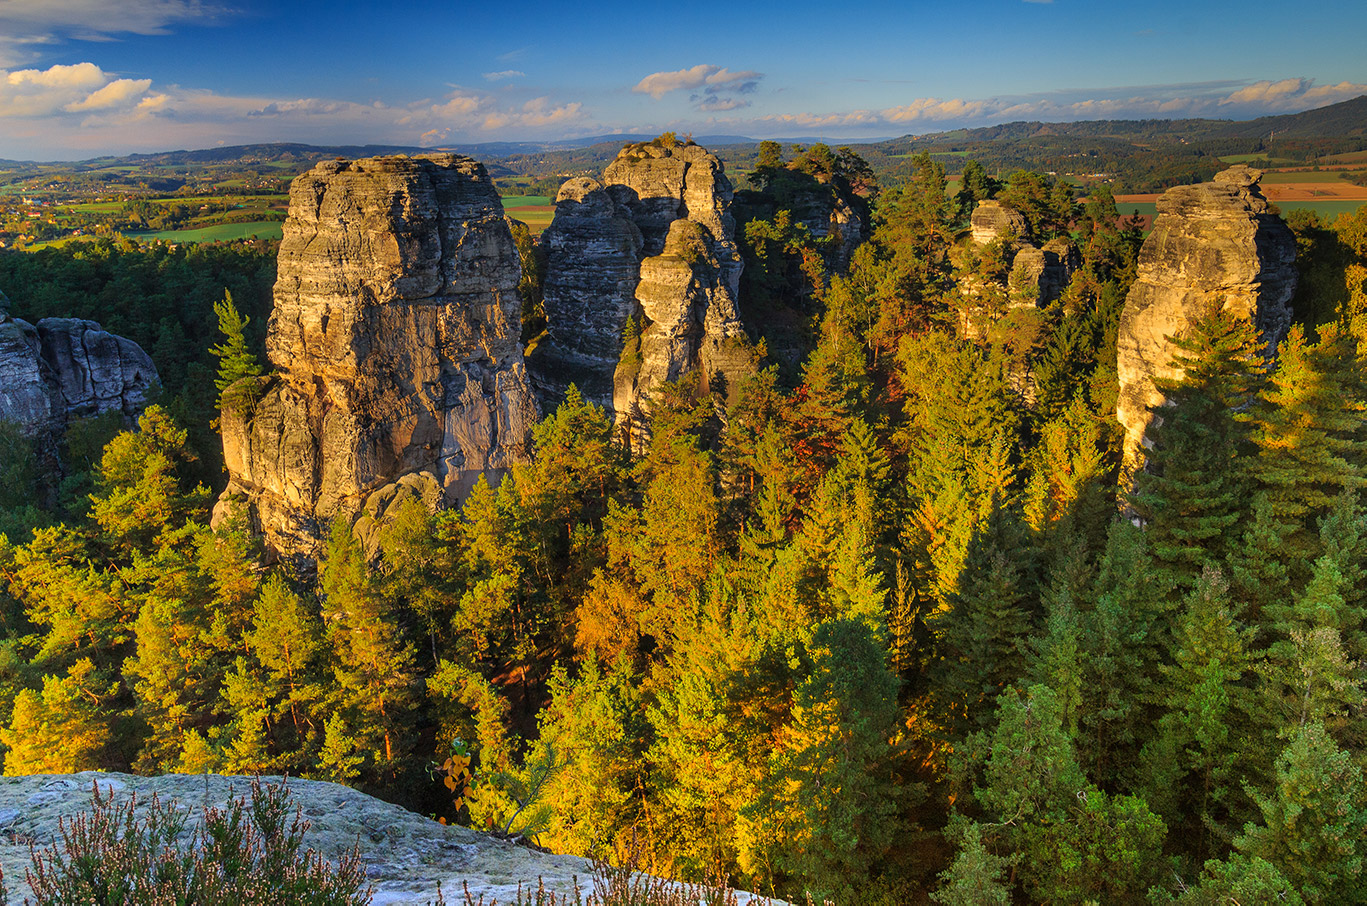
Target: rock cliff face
[395, 336]
[1044, 273]
[1217, 240]
[993, 220]
[65, 368]
[655, 241]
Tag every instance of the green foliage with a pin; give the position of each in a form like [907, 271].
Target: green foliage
[236, 363]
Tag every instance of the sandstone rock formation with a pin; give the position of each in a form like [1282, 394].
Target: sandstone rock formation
[654, 241]
[395, 336]
[406, 856]
[993, 220]
[1214, 241]
[65, 368]
[1042, 274]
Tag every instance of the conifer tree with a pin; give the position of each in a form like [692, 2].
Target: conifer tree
[64, 728]
[372, 662]
[1311, 432]
[1314, 820]
[236, 362]
[1193, 494]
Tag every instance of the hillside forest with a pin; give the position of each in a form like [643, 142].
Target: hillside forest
[892, 627]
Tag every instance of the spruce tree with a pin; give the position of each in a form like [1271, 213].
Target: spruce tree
[1310, 427]
[1193, 493]
[235, 361]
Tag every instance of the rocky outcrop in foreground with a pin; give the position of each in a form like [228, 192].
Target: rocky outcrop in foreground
[1214, 241]
[654, 242]
[65, 368]
[395, 336]
[405, 855]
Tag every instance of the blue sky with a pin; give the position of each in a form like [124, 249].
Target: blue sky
[80, 78]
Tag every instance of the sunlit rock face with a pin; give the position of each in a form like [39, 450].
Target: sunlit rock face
[992, 220]
[66, 368]
[395, 340]
[1218, 240]
[654, 242]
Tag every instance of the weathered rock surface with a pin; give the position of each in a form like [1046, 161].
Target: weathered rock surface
[405, 855]
[65, 368]
[993, 220]
[655, 241]
[395, 336]
[1043, 272]
[1214, 241]
[593, 265]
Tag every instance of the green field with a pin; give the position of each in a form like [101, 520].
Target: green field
[1246, 158]
[1296, 176]
[521, 201]
[1326, 209]
[224, 232]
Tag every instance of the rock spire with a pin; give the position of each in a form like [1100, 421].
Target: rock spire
[654, 244]
[1213, 241]
[395, 338]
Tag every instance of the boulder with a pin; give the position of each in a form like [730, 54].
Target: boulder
[67, 368]
[396, 342]
[1213, 241]
[1042, 274]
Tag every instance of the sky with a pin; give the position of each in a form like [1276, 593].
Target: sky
[85, 78]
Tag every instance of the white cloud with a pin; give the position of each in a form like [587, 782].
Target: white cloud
[117, 93]
[930, 114]
[504, 75]
[25, 24]
[712, 79]
[76, 88]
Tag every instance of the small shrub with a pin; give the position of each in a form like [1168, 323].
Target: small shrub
[245, 854]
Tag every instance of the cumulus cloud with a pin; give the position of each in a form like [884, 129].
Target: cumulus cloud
[930, 114]
[504, 75]
[76, 88]
[711, 79]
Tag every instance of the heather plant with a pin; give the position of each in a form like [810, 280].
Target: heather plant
[244, 854]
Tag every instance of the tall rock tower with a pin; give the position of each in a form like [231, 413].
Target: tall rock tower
[1217, 240]
[654, 242]
[396, 343]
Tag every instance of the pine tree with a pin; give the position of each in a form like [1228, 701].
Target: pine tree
[236, 363]
[1311, 433]
[372, 662]
[1314, 821]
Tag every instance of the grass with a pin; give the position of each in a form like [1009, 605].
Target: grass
[1326, 209]
[1246, 158]
[223, 232]
[522, 201]
[1298, 176]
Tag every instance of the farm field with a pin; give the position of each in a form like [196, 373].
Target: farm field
[223, 232]
[1296, 177]
[1327, 208]
[535, 211]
